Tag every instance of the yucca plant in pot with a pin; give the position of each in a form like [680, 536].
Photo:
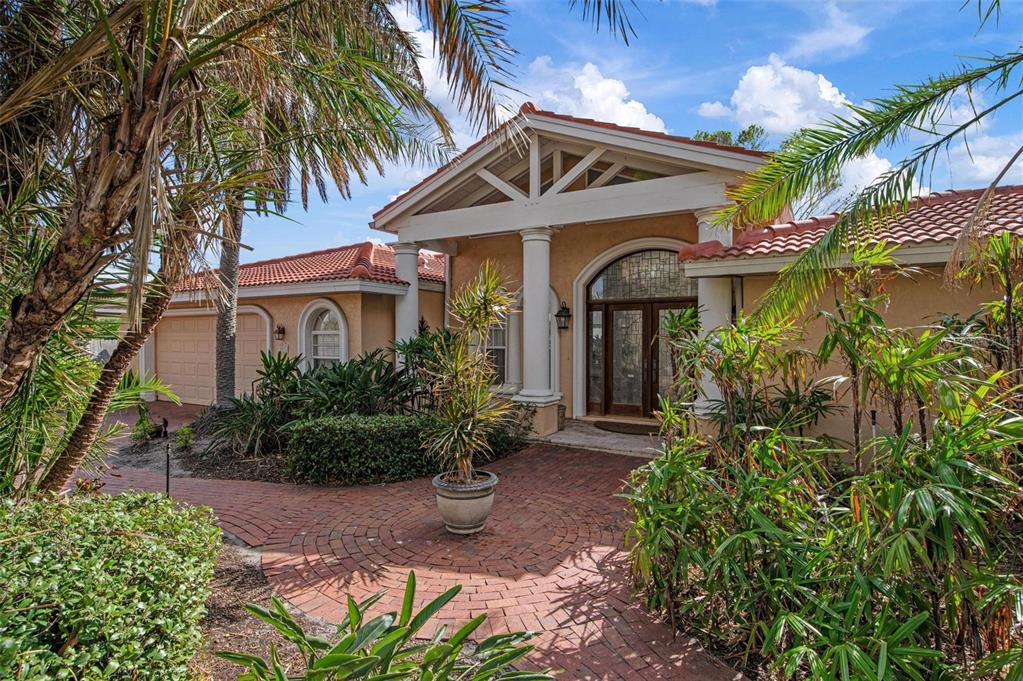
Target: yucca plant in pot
[467, 409]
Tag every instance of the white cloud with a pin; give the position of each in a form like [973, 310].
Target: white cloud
[839, 36]
[781, 98]
[982, 157]
[714, 109]
[585, 91]
[861, 172]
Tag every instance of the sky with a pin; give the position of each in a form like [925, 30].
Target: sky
[707, 65]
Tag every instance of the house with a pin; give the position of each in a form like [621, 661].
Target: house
[327, 305]
[599, 228]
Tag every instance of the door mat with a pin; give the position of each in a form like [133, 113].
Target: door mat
[627, 428]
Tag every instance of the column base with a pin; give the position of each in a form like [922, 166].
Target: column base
[538, 398]
[545, 419]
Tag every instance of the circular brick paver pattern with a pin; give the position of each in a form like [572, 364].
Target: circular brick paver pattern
[550, 559]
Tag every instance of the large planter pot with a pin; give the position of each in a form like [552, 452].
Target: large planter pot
[464, 507]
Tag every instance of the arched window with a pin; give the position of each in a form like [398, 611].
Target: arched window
[642, 276]
[324, 334]
[326, 345]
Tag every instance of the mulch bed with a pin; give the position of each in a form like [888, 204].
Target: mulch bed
[228, 626]
[200, 462]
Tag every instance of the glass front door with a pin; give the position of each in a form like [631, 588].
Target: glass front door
[629, 365]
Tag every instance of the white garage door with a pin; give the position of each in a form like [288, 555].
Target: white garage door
[186, 355]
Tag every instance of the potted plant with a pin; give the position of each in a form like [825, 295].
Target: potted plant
[466, 408]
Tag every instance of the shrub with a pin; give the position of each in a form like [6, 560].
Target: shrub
[142, 431]
[385, 647]
[284, 394]
[352, 450]
[184, 438]
[895, 568]
[368, 384]
[96, 586]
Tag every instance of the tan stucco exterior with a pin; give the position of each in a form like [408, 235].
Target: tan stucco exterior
[573, 247]
[914, 302]
[369, 318]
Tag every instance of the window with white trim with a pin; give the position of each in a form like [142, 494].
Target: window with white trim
[325, 336]
[497, 348]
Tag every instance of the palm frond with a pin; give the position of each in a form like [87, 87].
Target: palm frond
[815, 155]
[475, 56]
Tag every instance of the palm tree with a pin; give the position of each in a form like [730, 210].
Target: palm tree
[812, 158]
[143, 106]
[469, 39]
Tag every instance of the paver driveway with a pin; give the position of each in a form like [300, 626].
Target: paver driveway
[549, 560]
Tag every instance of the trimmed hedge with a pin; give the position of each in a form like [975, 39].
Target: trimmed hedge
[95, 586]
[356, 450]
[359, 450]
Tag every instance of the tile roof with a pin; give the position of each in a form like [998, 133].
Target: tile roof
[933, 219]
[367, 260]
[529, 109]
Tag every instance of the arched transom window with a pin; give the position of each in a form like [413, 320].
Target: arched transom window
[643, 276]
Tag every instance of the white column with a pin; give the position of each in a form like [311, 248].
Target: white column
[536, 328]
[714, 296]
[513, 352]
[406, 306]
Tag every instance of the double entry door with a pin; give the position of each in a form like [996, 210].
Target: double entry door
[633, 367]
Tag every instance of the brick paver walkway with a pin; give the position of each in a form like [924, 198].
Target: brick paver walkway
[549, 560]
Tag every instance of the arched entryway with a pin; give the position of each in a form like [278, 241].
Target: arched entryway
[626, 302]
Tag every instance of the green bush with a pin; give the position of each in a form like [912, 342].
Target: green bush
[353, 450]
[96, 586]
[357, 450]
[386, 646]
[184, 438]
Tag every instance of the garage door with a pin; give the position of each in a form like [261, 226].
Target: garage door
[186, 355]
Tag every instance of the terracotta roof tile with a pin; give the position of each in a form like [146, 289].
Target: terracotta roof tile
[529, 109]
[367, 260]
[937, 218]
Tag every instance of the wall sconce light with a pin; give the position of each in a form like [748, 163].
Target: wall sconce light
[562, 316]
[279, 332]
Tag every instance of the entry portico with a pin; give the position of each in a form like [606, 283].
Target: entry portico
[582, 213]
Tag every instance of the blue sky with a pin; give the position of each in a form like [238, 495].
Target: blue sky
[706, 64]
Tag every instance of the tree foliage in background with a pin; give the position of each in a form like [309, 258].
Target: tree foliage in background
[921, 114]
[753, 137]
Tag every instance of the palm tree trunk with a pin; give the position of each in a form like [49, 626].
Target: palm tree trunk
[172, 268]
[227, 307]
[88, 426]
[109, 182]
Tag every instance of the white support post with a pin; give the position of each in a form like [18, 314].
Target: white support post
[534, 166]
[714, 296]
[536, 327]
[513, 352]
[406, 306]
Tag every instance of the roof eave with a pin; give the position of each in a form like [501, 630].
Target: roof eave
[912, 254]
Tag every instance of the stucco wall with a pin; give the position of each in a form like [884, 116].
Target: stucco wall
[431, 308]
[286, 310]
[914, 302]
[369, 316]
[572, 248]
